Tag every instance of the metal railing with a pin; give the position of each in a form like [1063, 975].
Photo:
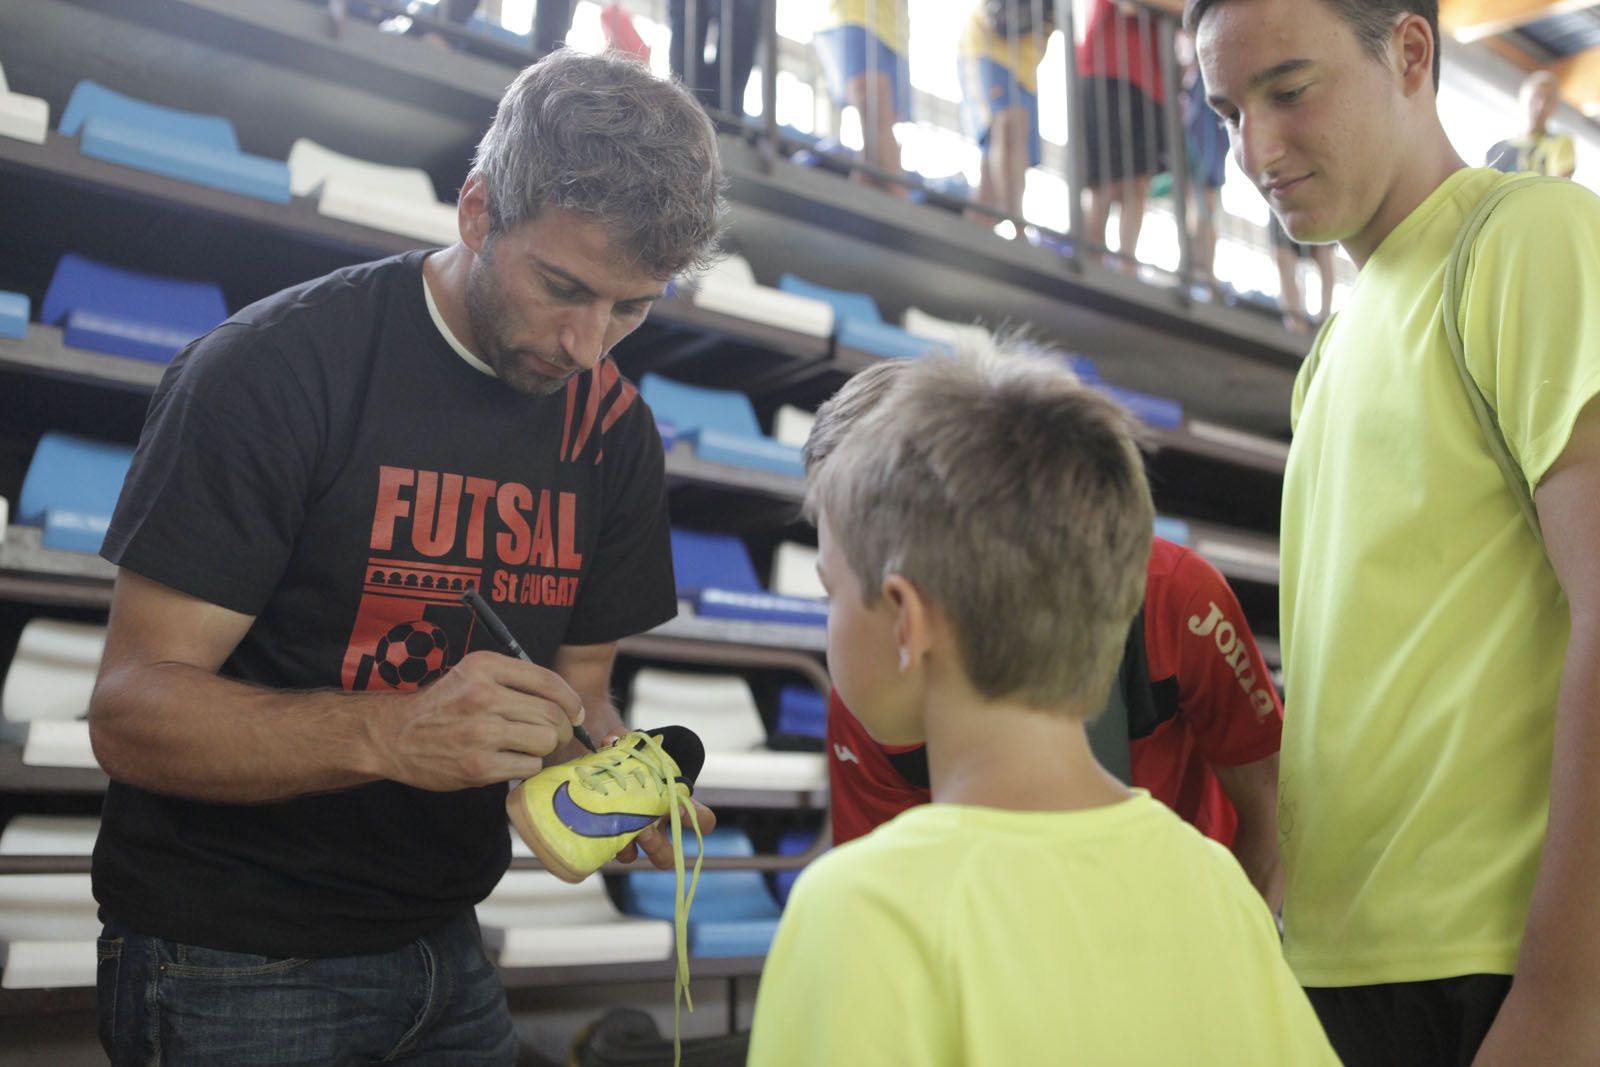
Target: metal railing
[1134, 114]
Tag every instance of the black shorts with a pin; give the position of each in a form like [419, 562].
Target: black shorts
[1411, 1024]
[1125, 132]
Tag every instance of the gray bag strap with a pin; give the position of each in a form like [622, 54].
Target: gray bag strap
[1454, 280]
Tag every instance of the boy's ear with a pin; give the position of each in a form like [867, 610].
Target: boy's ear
[913, 631]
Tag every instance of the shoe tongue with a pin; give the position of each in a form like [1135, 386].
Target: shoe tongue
[685, 748]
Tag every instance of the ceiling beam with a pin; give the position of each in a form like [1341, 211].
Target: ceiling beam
[1473, 20]
[1579, 76]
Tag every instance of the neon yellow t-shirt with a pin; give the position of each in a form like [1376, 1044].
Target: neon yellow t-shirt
[889, 19]
[1020, 55]
[966, 935]
[1423, 629]
[1551, 154]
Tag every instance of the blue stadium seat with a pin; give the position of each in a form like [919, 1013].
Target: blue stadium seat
[711, 561]
[721, 424]
[71, 488]
[791, 843]
[1174, 530]
[857, 321]
[714, 572]
[126, 313]
[802, 711]
[13, 314]
[733, 914]
[1155, 411]
[496, 32]
[192, 147]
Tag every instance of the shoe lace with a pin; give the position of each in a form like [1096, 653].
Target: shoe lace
[639, 759]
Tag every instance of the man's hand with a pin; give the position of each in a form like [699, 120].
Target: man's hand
[656, 841]
[490, 719]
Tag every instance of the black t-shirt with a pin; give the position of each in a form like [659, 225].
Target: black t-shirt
[326, 463]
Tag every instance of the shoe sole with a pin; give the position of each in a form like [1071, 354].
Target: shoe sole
[543, 849]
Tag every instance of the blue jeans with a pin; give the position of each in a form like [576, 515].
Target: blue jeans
[437, 1002]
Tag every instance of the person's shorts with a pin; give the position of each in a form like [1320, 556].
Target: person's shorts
[1281, 239]
[1125, 135]
[988, 87]
[1206, 140]
[849, 51]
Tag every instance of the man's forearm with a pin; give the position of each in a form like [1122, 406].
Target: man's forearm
[1255, 847]
[1561, 944]
[177, 729]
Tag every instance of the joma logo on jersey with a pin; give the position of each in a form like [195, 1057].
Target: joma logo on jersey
[1236, 652]
[445, 513]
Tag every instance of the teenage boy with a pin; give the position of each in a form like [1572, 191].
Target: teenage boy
[1440, 799]
[983, 536]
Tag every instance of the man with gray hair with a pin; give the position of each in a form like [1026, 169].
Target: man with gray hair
[308, 738]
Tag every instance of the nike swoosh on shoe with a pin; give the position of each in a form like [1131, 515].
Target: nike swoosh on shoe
[586, 823]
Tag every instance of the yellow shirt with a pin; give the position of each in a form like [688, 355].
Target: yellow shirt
[886, 18]
[965, 935]
[1551, 154]
[1019, 55]
[1423, 629]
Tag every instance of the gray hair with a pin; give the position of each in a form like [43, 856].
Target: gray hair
[1015, 498]
[603, 138]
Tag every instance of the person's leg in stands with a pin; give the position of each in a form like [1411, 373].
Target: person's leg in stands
[873, 97]
[1010, 134]
[1130, 217]
[1290, 302]
[1322, 255]
[1203, 207]
[552, 19]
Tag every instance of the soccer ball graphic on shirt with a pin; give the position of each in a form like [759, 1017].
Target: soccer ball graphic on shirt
[412, 654]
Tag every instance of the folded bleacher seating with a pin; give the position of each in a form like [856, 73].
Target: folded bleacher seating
[794, 571]
[857, 321]
[500, 34]
[730, 288]
[14, 308]
[393, 199]
[26, 118]
[128, 313]
[52, 673]
[48, 922]
[791, 843]
[733, 913]
[721, 424]
[802, 712]
[715, 575]
[722, 711]
[802, 720]
[945, 331]
[192, 147]
[792, 425]
[47, 689]
[534, 919]
[71, 488]
[1175, 530]
[1155, 411]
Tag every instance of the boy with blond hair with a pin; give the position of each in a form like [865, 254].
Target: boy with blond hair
[983, 532]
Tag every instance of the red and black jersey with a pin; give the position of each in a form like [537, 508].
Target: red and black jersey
[1209, 702]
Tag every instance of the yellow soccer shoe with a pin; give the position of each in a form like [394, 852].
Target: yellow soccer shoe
[577, 816]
